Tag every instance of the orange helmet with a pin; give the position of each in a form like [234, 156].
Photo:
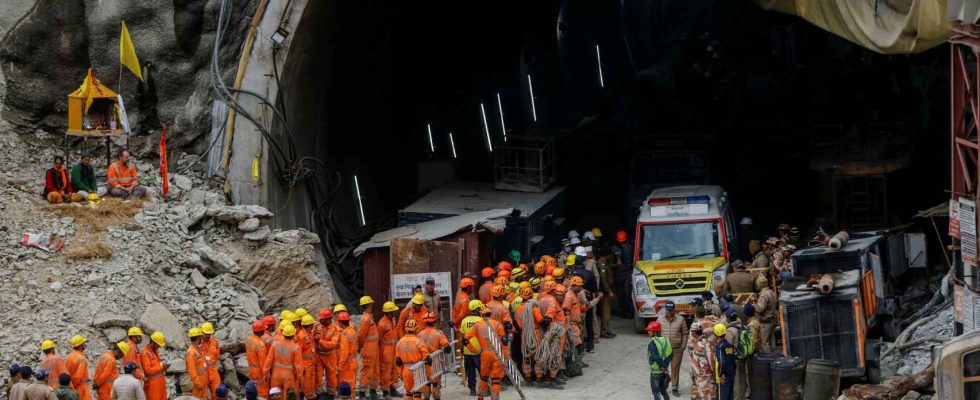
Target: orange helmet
[504, 273]
[558, 272]
[504, 266]
[549, 268]
[621, 236]
[345, 316]
[325, 314]
[576, 281]
[429, 317]
[539, 268]
[558, 289]
[466, 282]
[488, 272]
[411, 325]
[258, 326]
[486, 310]
[546, 288]
[548, 278]
[498, 291]
[551, 261]
[526, 293]
[502, 280]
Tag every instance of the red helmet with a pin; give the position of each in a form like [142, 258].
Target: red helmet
[269, 321]
[488, 272]
[504, 274]
[504, 266]
[621, 236]
[343, 316]
[653, 326]
[325, 314]
[466, 282]
[258, 326]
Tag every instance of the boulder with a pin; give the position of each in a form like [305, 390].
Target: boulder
[216, 262]
[259, 235]
[183, 182]
[198, 280]
[265, 268]
[158, 318]
[249, 225]
[95, 279]
[114, 334]
[237, 214]
[177, 366]
[296, 236]
[110, 319]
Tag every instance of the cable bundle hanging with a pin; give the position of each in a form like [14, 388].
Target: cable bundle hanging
[529, 341]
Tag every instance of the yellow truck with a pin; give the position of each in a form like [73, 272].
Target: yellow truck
[684, 236]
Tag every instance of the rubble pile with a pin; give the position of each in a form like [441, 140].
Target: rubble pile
[173, 265]
[917, 358]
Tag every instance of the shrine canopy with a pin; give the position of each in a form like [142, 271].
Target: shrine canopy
[93, 109]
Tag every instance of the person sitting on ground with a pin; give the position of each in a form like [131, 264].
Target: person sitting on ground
[123, 180]
[83, 177]
[57, 186]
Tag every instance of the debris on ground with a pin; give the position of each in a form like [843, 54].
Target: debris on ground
[916, 354]
[906, 386]
[161, 264]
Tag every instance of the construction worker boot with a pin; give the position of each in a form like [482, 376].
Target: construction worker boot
[374, 395]
[554, 384]
[472, 392]
[360, 395]
[394, 392]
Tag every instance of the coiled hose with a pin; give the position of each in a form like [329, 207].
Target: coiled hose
[547, 353]
[529, 341]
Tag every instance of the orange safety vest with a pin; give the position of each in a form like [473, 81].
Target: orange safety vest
[77, 366]
[55, 366]
[156, 384]
[255, 353]
[120, 176]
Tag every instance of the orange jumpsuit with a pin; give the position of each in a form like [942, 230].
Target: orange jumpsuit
[434, 339]
[267, 338]
[212, 356]
[327, 338]
[550, 308]
[573, 308]
[460, 309]
[77, 366]
[283, 366]
[386, 331]
[197, 370]
[155, 387]
[134, 356]
[55, 366]
[347, 358]
[491, 368]
[308, 380]
[484, 291]
[409, 312]
[411, 350]
[535, 315]
[255, 353]
[105, 373]
[501, 314]
[368, 341]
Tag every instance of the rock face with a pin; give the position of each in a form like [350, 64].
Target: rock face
[283, 274]
[158, 318]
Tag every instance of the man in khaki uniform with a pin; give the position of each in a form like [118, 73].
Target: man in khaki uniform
[766, 310]
[674, 328]
[740, 281]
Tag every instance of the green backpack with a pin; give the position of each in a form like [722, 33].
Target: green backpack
[745, 344]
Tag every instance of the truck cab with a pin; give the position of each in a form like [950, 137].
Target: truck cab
[684, 235]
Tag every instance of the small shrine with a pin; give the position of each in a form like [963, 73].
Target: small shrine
[95, 110]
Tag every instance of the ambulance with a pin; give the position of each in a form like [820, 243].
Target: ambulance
[684, 236]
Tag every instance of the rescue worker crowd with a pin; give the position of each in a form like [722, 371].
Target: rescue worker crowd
[727, 329]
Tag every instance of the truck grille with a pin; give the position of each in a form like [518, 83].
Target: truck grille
[668, 283]
[823, 329]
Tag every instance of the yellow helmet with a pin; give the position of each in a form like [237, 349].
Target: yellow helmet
[418, 299]
[475, 305]
[535, 282]
[389, 306]
[365, 300]
[288, 316]
[47, 344]
[570, 260]
[597, 232]
[158, 338]
[207, 328]
[558, 272]
[720, 330]
[93, 199]
[339, 307]
[123, 347]
[135, 331]
[301, 312]
[283, 314]
[289, 331]
[524, 284]
[307, 320]
[194, 332]
[284, 324]
[77, 340]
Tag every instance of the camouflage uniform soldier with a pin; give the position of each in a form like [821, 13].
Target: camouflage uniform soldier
[702, 377]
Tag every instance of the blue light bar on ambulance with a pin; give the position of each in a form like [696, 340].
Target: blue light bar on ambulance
[689, 205]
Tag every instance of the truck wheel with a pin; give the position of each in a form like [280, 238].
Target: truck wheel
[639, 324]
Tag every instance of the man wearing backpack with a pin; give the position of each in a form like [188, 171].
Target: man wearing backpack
[741, 340]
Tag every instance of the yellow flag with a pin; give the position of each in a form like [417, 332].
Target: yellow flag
[127, 53]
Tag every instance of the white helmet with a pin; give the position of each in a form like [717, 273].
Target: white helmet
[589, 235]
[746, 221]
[574, 241]
[572, 234]
[580, 251]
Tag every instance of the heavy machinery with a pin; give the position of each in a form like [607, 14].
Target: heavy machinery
[684, 235]
[957, 367]
[847, 322]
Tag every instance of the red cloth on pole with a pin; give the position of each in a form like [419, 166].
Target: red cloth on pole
[163, 161]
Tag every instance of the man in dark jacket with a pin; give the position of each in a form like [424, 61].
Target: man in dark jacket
[83, 177]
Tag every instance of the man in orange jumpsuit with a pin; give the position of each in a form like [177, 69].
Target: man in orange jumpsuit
[305, 339]
[326, 337]
[197, 367]
[52, 363]
[270, 330]
[410, 350]
[386, 331]
[550, 305]
[417, 312]
[77, 365]
[463, 298]
[368, 341]
[491, 368]
[499, 311]
[573, 309]
[434, 339]
[487, 275]
[155, 387]
[212, 356]
[528, 318]
[283, 366]
[106, 371]
[347, 358]
[255, 353]
[135, 338]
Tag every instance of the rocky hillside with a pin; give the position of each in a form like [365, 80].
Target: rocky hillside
[162, 265]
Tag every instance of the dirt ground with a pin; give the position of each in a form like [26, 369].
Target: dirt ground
[617, 370]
